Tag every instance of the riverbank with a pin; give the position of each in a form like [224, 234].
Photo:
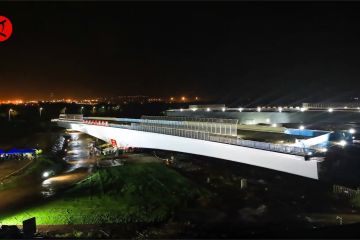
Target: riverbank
[142, 192]
[136, 194]
[13, 167]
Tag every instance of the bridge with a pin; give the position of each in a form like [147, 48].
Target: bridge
[217, 138]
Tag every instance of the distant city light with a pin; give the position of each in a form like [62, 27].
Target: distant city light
[223, 109]
[330, 110]
[181, 109]
[280, 109]
[16, 102]
[240, 109]
[208, 109]
[259, 109]
[268, 120]
[183, 98]
[302, 109]
[274, 125]
[301, 127]
[352, 131]
[194, 109]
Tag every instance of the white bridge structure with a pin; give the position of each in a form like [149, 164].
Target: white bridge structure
[215, 138]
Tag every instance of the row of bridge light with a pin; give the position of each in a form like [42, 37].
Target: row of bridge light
[280, 109]
[259, 109]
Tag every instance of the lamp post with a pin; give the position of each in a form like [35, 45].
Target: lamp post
[81, 109]
[340, 219]
[10, 110]
[94, 108]
[40, 110]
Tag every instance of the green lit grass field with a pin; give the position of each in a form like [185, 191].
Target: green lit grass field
[145, 192]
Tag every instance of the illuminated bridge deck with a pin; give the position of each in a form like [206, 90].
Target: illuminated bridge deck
[216, 130]
[216, 138]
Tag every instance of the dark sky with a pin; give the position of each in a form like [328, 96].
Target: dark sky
[213, 49]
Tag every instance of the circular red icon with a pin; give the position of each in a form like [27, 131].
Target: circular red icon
[5, 28]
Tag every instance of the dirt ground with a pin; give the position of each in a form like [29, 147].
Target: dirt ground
[9, 166]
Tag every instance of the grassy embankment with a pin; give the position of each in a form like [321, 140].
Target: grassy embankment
[355, 201]
[145, 193]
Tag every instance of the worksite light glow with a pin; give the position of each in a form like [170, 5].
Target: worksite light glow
[352, 131]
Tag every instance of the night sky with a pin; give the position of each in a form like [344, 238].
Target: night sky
[282, 50]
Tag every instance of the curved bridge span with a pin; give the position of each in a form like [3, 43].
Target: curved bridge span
[142, 137]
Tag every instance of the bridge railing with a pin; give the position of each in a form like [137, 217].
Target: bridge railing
[73, 117]
[172, 131]
[191, 119]
[262, 145]
[211, 125]
[234, 140]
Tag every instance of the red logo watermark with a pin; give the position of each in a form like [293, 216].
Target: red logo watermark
[5, 28]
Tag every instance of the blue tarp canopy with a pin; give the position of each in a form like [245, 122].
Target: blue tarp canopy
[304, 132]
[19, 151]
